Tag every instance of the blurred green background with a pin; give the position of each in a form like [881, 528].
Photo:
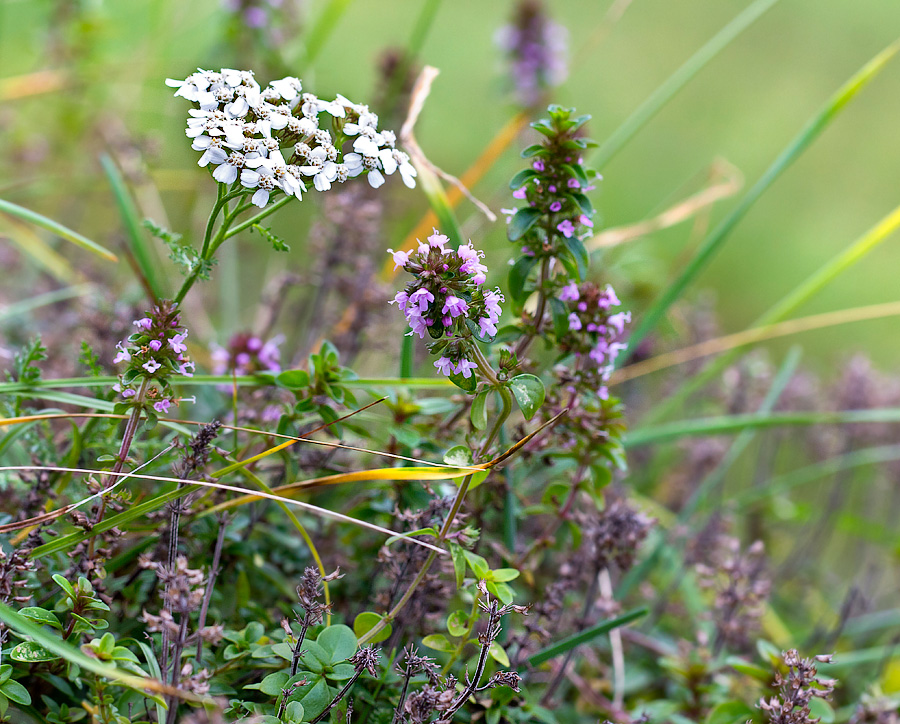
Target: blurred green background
[745, 106]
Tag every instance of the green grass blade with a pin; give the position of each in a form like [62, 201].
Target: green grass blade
[324, 26]
[715, 477]
[782, 309]
[440, 204]
[680, 78]
[23, 626]
[727, 424]
[64, 232]
[784, 483]
[582, 637]
[785, 159]
[140, 248]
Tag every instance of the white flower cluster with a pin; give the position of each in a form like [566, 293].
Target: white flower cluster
[270, 139]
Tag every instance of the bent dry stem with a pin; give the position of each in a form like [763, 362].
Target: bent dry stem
[503, 414]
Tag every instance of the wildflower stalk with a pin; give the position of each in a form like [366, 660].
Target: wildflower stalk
[504, 413]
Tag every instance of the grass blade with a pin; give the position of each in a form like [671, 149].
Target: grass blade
[680, 78]
[791, 153]
[141, 250]
[64, 232]
[726, 424]
[589, 634]
[325, 25]
[42, 300]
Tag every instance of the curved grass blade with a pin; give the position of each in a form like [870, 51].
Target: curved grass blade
[806, 290]
[141, 250]
[589, 634]
[662, 95]
[50, 260]
[64, 232]
[785, 159]
[324, 26]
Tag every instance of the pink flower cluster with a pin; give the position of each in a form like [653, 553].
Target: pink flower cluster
[448, 300]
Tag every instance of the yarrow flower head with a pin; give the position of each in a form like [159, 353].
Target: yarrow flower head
[447, 300]
[154, 352]
[275, 139]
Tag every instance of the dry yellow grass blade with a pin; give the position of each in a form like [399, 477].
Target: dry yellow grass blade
[488, 157]
[31, 84]
[752, 336]
[727, 181]
[246, 492]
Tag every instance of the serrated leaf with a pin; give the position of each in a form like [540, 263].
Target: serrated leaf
[523, 220]
[529, 393]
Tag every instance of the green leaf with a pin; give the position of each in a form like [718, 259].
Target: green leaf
[478, 413]
[368, 620]
[730, 712]
[504, 574]
[818, 709]
[458, 456]
[457, 623]
[438, 642]
[53, 227]
[478, 565]
[579, 254]
[41, 615]
[468, 384]
[293, 712]
[29, 652]
[272, 684]
[520, 178]
[497, 653]
[518, 277]
[293, 379]
[458, 554]
[14, 691]
[523, 220]
[339, 641]
[532, 150]
[315, 697]
[529, 393]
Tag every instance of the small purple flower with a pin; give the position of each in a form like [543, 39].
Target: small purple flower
[177, 343]
[123, 355]
[586, 220]
[574, 322]
[551, 188]
[538, 164]
[151, 366]
[401, 258]
[566, 228]
[445, 365]
[573, 183]
[128, 393]
[401, 299]
[618, 321]
[487, 327]
[608, 298]
[155, 345]
[144, 323]
[569, 293]
[555, 206]
[464, 367]
[416, 323]
[520, 193]
[454, 306]
[421, 298]
[438, 240]
[162, 406]
[187, 369]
